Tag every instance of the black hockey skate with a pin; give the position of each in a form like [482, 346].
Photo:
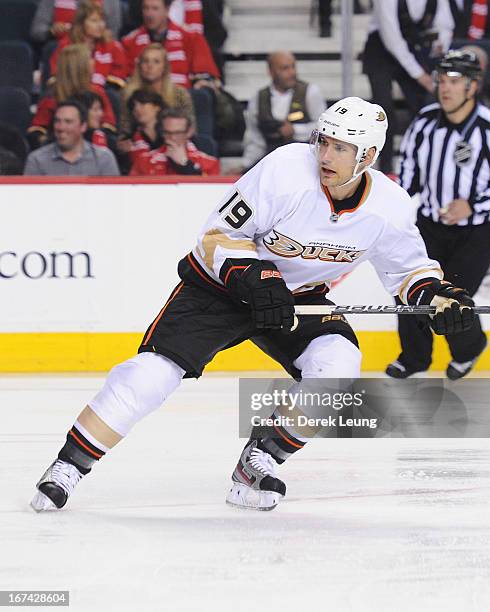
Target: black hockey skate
[55, 486]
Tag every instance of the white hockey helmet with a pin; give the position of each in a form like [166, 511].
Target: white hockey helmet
[357, 122]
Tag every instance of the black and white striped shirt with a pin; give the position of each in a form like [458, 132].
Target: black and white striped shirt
[443, 162]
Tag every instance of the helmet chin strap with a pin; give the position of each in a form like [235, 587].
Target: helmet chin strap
[356, 173]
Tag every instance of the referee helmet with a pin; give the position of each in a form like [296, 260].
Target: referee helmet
[460, 63]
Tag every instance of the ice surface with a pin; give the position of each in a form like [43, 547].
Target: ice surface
[368, 525]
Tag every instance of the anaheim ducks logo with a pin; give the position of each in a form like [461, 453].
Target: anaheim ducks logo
[282, 245]
[381, 116]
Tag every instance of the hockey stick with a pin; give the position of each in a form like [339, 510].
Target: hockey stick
[382, 309]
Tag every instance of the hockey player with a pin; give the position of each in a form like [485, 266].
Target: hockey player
[294, 223]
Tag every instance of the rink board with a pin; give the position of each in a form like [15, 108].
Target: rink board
[86, 265]
[98, 352]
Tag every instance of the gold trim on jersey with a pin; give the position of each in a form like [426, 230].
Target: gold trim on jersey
[214, 238]
[309, 286]
[405, 283]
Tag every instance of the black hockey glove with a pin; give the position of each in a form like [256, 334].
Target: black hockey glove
[454, 312]
[259, 284]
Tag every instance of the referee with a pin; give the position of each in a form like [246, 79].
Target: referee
[446, 160]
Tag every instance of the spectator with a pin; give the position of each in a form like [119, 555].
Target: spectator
[71, 154]
[178, 155]
[191, 62]
[73, 79]
[405, 39]
[89, 28]
[53, 18]
[286, 111]
[95, 133]
[152, 74]
[471, 18]
[144, 108]
[185, 13]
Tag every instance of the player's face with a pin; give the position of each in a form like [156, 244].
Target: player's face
[155, 14]
[68, 128]
[95, 114]
[152, 65]
[336, 160]
[94, 26]
[452, 92]
[175, 131]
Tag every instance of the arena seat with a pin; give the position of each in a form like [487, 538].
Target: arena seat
[19, 15]
[15, 107]
[16, 65]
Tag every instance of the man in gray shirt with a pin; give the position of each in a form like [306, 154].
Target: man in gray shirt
[70, 154]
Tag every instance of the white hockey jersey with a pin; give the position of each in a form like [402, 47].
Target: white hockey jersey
[278, 211]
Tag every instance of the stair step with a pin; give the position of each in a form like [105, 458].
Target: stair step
[256, 34]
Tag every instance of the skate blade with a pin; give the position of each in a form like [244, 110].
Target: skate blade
[42, 503]
[244, 497]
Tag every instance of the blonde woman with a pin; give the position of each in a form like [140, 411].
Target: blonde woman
[90, 29]
[74, 78]
[152, 74]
